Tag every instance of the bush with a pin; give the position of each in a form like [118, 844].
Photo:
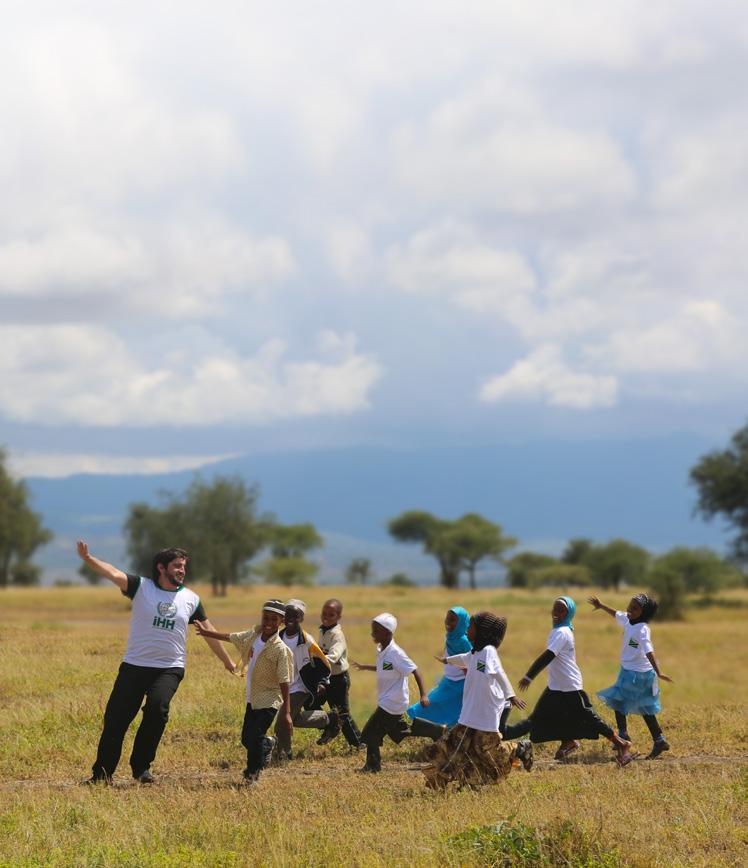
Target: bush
[520, 567]
[559, 576]
[507, 845]
[669, 590]
[400, 580]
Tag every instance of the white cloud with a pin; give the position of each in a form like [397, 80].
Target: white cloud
[58, 465]
[545, 376]
[83, 376]
[498, 149]
[183, 270]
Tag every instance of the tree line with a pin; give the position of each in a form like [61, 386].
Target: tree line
[222, 526]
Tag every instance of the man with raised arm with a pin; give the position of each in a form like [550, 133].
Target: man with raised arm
[153, 665]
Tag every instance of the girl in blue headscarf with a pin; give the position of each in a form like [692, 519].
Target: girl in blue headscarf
[564, 711]
[445, 700]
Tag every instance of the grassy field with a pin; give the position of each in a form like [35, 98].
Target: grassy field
[60, 648]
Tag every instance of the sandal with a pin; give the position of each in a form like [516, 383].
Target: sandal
[566, 748]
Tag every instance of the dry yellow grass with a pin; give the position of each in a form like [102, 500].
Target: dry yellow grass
[61, 647]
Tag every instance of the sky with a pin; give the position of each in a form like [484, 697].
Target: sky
[234, 227]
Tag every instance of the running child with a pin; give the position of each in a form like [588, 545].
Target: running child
[445, 700]
[474, 752]
[311, 673]
[393, 667]
[564, 711]
[268, 662]
[636, 690]
[331, 640]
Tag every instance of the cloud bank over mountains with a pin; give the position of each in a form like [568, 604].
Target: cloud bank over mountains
[241, 217]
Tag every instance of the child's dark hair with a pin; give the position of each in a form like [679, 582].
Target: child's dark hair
[334, 601]
[165, 557]
[649, 607]
[489, 630]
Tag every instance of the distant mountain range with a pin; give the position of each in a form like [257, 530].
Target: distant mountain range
[541, 493]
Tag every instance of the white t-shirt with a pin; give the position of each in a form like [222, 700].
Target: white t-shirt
[300, 658]
[393, 668]
[453, 673]
[486, 689]
[563, 672]
[637, 643]
[256, 650]
[158, 624]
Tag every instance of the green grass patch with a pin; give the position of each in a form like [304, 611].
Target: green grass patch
[511, 843]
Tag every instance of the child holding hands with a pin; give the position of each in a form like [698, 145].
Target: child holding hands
[269, 665]
[636, 690]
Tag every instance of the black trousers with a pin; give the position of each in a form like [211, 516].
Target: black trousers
[132, 685]
[560, 716]
[652, 725]
[396, 726]
[256, 723]
[336, 697]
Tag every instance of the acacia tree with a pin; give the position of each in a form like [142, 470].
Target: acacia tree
[217, 522]
[721, 477]
[289, 543]
[358, 571]
[473, 538]
[21, 531]
[457, 545]
[419, 526]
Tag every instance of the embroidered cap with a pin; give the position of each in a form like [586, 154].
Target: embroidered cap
[277, 606]
[297, 604]
[386, 620]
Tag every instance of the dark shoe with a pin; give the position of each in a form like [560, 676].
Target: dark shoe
[145, 777]
[250, 778]
[660, 746]
[96, 779]
[332, 729]
[524, 753]
[268, 743]
[367, 769]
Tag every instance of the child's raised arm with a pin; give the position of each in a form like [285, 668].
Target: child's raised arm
[597, 604]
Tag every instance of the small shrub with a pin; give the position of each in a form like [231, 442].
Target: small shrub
[400, 580]
[508, 844]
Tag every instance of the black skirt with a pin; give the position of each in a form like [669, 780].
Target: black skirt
[563, 716]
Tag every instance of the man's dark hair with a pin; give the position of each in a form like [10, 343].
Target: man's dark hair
[165, 557]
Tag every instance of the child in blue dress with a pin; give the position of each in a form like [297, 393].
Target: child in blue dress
[445, 700]
[636, 690]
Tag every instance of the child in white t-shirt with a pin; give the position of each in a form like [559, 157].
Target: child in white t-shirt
[474, 752]
[636, 690]
[393, 667]
[564, 711]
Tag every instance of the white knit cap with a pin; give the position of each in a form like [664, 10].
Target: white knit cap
[297, 604]
[386, 620]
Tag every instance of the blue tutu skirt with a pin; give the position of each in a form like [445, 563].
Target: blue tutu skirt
[633, 693]
[445, 703]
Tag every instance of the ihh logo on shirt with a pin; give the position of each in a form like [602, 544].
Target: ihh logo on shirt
[165, 618]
